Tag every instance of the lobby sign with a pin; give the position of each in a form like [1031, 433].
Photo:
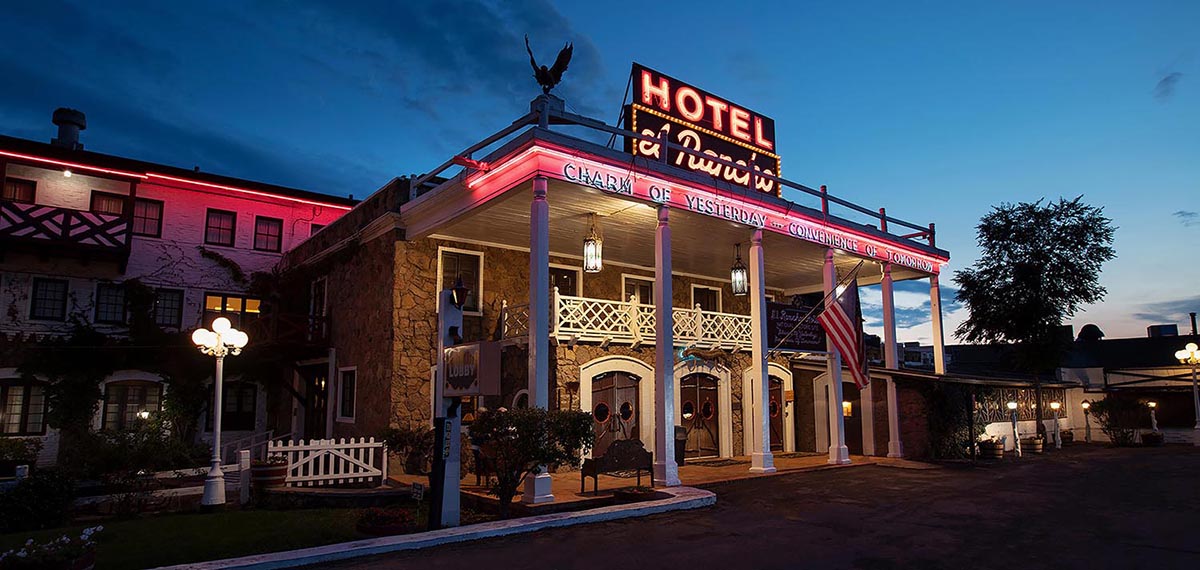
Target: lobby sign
[788, 329]
[700, 121]
[472, 370]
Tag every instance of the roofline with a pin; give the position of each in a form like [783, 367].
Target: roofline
[25, 149]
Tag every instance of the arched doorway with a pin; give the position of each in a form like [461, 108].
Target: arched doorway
[775, 411]
[615, 408]
[698, 396]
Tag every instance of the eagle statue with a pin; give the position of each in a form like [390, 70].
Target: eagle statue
[548, 77]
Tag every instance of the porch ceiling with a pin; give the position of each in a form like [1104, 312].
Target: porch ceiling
[700, 245]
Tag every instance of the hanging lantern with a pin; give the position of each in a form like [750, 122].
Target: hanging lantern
[460, 292]
[738, 275]
[593, 250]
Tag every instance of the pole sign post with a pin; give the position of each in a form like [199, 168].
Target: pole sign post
[444, 510]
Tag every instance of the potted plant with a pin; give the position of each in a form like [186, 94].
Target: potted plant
[270, 473]
[991, 448]
[634, 494]
[1152, 438]
[1033, 444]
[379, 521]
[63, 553]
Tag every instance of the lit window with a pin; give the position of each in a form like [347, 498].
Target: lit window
[125, 401]
[20, 191]
[468, 266]
[268, 234]
[110, 303]
[22, 407]
[108, 204]
[220, 227]
[49, 301]
[237, 308]
[147, 217]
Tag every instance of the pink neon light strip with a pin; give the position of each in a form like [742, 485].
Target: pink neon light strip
[246, 191]
[71, 164]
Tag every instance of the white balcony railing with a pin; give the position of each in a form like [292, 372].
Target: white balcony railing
[582, 319]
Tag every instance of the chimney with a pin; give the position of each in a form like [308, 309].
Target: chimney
[69, 122]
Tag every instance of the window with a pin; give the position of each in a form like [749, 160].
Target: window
[642, 290]
[239, 400]
[709, 298]
[268, 234]
[109, 204]
[314, 228]
[147, 217]
[220, 227]
[110, 303]
[566, 279]
[347, 389]
[168, 307]
[20, 191]
[238, 309]
[465, 264]
[125, 402]
[49, 301]
[22, 407]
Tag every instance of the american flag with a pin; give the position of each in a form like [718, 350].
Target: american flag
[842, 322]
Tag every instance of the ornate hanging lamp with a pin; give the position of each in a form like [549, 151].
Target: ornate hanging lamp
[593, 250]
[737, 274]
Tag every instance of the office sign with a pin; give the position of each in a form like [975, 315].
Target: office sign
[472, 370]
[702, 122]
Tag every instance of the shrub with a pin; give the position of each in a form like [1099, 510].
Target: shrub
[522, 441]
[19, 450]
[42, 500]
[1119, 418]
[414, 447]
[147, 448]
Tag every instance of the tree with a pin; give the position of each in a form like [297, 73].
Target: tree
[1038, 266]
[521, 442]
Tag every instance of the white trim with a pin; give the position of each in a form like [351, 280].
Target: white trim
[789, 415]
[631, 277]
[338, 417]
[724, 398]
[478, 291]
[617, 363]
[710, 288]
[516, 397]
[578, 292]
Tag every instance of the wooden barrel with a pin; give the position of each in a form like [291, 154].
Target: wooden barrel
[268, 476]
[991, 450]
[1032, 445]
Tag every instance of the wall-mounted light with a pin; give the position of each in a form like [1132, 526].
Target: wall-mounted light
[66, 174]
[847, 409]
[738, 276]
[459, 292]
[593, 250]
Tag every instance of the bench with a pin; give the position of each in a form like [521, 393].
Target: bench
[621, 455]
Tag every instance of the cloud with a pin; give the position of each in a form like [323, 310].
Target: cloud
[1165, 87]
[1166, 312]
[912, 304]
[1187, 218]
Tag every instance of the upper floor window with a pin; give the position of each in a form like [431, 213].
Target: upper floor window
[105, 203]
[238, 309]
[110, 303]
[640, 290]
[467, 265]
[219, 227]
[22, 407]
[49, 300]
[18, 190]
[168, 308]
[268, 234]
[128, 401]
[709, 298]
[147, 217]
[566, 279]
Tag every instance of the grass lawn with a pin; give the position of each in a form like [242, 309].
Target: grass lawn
[179, 538]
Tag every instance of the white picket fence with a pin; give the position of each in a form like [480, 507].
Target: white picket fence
[319, 462]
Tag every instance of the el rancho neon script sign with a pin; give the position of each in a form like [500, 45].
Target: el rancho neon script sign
[612, 181]
[702, 122]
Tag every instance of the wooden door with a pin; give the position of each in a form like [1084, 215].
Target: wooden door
[614, 409]
[316, 379]
[775, 410]
[701, 415]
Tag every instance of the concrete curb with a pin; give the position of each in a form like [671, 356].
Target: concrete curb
[682, 498]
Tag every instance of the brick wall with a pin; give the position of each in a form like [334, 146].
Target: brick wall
[914, 423]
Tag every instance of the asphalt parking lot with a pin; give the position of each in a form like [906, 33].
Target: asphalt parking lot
[1081, 507]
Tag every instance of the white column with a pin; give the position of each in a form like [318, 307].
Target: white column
[890, 357]
[761, 460]
[895, 447]
[666, 471]
[939, 340]
[537, 488]
[839, 454]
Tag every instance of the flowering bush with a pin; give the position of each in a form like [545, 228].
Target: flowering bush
[57, 553]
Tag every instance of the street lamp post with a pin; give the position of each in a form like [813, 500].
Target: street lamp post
[1055, 406]
[1153, 418]
[1190, 355]
[1087, 423]
[223, 340]
[1012, 407]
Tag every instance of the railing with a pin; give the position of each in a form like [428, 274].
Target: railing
[288, 328]
[320, 462]
[49, 225]
[255, 443]
[583, 319]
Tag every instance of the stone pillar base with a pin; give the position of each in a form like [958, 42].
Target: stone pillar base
[537, 490]
[666, 473]
[839, 455]
[895, 449]
[762, 462]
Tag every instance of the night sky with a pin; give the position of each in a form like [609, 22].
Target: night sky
[934, 110]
